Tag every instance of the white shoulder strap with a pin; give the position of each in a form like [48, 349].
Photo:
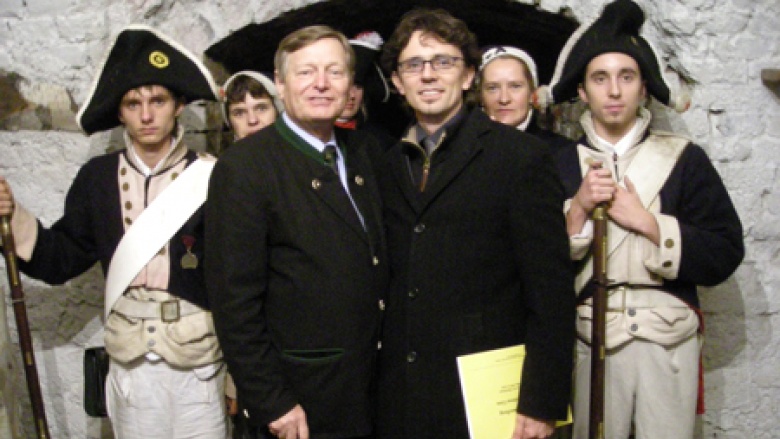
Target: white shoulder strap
[155, 227]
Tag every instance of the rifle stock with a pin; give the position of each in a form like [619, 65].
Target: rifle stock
[23, 328]
[598, 333]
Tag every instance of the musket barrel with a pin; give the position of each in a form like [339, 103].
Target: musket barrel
[23, 328]
[598, 333]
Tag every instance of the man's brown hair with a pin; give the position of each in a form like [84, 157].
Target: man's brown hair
[305, 36]
[437, 23]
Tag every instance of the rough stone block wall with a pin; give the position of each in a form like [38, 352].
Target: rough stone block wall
[48, 53]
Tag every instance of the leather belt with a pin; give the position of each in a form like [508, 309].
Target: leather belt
[167, 311]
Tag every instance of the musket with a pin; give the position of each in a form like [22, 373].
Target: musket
[599, 329]
[23, 328]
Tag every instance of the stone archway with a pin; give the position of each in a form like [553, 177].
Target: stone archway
[542, 34]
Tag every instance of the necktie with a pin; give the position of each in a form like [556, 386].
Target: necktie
[331, 157]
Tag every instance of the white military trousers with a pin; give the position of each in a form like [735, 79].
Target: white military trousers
[152, 400]
[652, 386]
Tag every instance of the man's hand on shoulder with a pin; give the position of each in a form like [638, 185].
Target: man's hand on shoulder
[291, 426]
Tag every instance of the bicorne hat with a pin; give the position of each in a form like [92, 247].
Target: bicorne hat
[368, 75]
[142, 56]
[616, 30]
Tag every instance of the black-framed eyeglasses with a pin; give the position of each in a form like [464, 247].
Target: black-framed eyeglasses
[438, 62]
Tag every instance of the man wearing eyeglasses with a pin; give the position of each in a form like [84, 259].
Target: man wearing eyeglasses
[478, 247]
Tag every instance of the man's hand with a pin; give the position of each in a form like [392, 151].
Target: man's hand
[597, 187]
[627, 211]
[6, 198]
[530, 428]
[291, 426]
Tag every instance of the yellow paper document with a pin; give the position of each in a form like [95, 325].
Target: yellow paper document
[490, 382]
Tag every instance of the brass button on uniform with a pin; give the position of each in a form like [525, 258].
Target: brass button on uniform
[381, 305]
[419, 228]
[128, 205]
[174, 175]
[125, 187]
[123, 171]
[316, 184]
[375, 260]
[128, 221]
[151, 343]
[667, 264]
[631, 312]
[411, 357]
[669, 243]
[634, 327]
[151, 329]
[359, 180]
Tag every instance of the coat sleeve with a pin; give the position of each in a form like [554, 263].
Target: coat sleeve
[710, 229]
[237, 250]
[542, 251]
[69, 247]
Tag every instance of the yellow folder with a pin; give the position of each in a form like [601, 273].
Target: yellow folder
[490, 382]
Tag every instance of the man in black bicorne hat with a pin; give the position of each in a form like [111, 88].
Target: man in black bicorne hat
[138, 212]
[671, 227]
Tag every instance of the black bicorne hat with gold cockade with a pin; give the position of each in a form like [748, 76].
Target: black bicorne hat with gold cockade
[142, 56]
[616, 30]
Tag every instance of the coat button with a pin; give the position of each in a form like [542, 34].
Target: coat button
[634, 327]
[667, 264]
[669, 243]
[151, 329]
[419, 228]
[375, 260]
[123, 171]
[413, 293]
[379, 345]
[151, 343]
[411, 357]
[359, 180]
[315, 184]
[174, 175]
[631, 312]
[381, 305]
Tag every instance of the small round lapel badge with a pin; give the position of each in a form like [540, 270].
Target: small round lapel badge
[159, 59]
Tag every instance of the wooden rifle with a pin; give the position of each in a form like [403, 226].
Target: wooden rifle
[23, 328]
[599, 329]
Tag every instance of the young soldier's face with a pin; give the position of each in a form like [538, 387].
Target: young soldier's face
[353, 103]
[435, 93]
[506, 90]
[316, 84]
[149, 115]
[614, 91]
[251, 115]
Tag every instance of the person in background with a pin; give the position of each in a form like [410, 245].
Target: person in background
[369, 87]
[478, 248]
[506, 83]
[165, 378]
[251, 103]
[671, 228]
[296, 262]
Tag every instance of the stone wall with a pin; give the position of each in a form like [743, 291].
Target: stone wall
[48, 53]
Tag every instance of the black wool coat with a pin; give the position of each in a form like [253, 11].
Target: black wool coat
[295, 280]
[479, 261]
